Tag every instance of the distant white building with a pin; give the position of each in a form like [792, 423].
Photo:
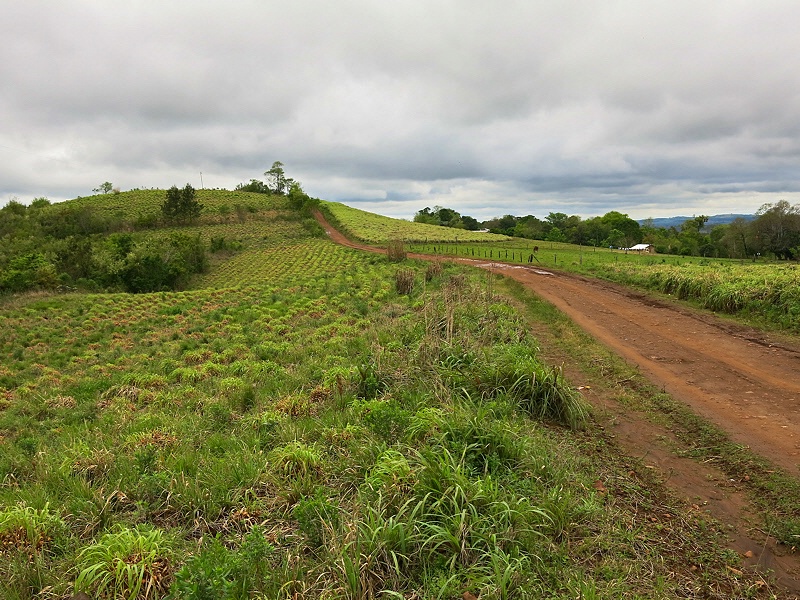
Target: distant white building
[648, 248]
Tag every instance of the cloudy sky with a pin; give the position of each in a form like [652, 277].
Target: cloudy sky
[647, 107]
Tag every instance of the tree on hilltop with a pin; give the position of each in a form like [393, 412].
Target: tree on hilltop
[277, 181]
[181, 205]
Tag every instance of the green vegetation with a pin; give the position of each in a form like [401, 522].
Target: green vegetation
[764, 292]
[311, 421]
[769, 293]
[375, 229]
[109, 242]
[181, 206]
[774, 232]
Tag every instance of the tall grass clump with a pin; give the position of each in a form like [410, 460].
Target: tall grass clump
[396, 251]
[404, 281]
[127, 564]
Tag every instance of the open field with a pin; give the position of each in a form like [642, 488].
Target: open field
[736, 377]
[313, 421]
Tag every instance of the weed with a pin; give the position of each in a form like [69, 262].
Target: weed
[317, 517]
[217, 572]
[126, 563]
[433, 270]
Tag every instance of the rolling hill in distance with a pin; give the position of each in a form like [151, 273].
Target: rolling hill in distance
[668, 222]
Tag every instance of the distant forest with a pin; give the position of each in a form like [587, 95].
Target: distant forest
[775, 231]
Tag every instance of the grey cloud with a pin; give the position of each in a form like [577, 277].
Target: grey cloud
[509, 107]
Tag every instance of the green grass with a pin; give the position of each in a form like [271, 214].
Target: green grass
[376, 229]
[295, 427]
[141, 203]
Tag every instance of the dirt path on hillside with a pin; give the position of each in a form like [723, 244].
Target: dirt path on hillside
[741, 379]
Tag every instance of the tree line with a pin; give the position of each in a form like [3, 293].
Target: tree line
[775, 231]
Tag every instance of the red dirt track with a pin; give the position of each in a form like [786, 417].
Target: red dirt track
[743, 380]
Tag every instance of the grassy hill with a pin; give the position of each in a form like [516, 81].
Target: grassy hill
[298, 423]
[377, 229]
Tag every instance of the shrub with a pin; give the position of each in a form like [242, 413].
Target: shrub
[387, 419]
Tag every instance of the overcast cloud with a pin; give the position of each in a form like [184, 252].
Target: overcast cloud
[649, 108]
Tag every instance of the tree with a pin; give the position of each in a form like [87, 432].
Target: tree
[504, 224]
[738, 236]
[426, 216]
[777, 228]
[529, 227]
[300, 200]
[615, 238]
[277, 180]
[470, 223]
[557, 219]
[181, 206]
[630, 229]
[444, 217]
[40, 202]
[255, 185]
[555, 235]
[104, 188]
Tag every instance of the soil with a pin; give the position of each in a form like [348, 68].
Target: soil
[743, 380]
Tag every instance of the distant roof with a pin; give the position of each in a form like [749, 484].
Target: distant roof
[640, 247]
